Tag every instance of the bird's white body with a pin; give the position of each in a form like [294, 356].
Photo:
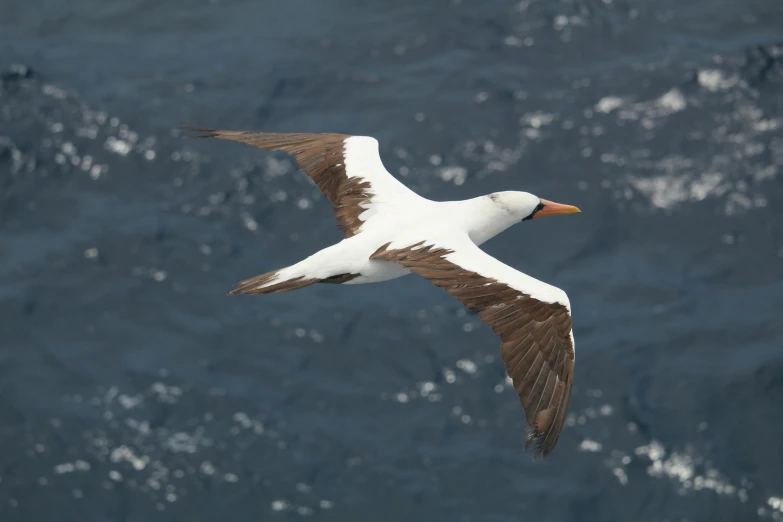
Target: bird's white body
[404, 220]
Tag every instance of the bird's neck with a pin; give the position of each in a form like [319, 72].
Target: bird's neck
[482, 218]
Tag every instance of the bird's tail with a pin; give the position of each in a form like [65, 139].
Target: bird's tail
[277, 281]
[325, 266]
[318, 268]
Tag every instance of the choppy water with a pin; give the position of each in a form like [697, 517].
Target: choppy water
[133, 389]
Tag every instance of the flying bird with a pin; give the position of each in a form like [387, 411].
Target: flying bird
[391, 231]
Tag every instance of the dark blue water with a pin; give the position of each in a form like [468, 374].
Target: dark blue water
[132, 388]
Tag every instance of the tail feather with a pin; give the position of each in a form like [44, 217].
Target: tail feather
[271, 282]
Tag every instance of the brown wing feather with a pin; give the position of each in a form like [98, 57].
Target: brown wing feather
[536, 345]
[321, 157]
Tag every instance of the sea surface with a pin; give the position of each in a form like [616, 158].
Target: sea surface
[133, 389]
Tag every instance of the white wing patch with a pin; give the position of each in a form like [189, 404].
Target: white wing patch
[363, 160]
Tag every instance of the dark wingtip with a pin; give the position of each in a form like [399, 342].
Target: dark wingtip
[198, 132]
[536, 439]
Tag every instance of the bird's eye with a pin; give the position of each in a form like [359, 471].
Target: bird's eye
[536, 210]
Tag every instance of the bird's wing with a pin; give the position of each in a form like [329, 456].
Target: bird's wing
[347, 170]
[532, 318]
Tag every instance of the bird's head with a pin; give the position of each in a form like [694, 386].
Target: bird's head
[524, 206]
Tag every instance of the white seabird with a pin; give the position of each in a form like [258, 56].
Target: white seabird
[391, 231]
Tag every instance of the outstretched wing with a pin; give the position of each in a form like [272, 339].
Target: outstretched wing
[347, 170]
[532, 318]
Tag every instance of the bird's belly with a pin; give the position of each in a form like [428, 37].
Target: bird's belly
[376, 270]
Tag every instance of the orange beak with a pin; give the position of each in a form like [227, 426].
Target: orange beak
[551, 208]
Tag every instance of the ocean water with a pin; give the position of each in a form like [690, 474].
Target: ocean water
[132, 388]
